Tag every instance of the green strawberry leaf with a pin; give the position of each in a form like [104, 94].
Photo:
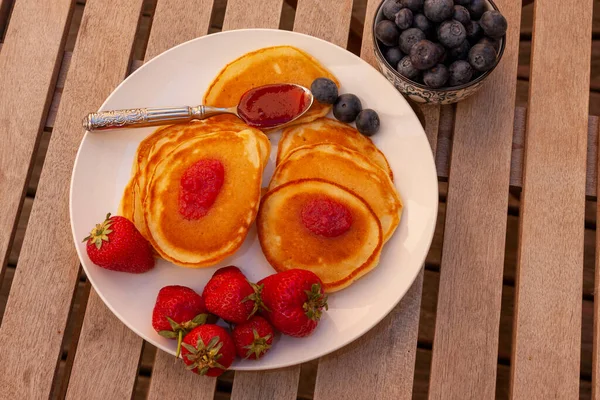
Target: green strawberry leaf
[168, 334]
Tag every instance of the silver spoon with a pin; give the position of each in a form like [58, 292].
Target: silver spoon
[253, 99]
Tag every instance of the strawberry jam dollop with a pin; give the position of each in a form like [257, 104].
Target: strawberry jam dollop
[199, 187]
[326, 217]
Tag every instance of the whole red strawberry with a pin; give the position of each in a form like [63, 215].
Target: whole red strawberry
[293, 301]
[116, 244]
[253, 338]
[229, 295]
[208, 350]
[178, 310]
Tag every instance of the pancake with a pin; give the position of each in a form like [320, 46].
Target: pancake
[327, 130]
[219, 232]
[349, 169]
[158, 145]
[279, 64]
[288, 243]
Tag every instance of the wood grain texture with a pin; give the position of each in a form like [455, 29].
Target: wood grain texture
[28, 67]
[104, 367]
[387, 351]
[170, 380]
[177, 21]
[468, 315]
[261, 14]
[547, 338]
[279, 384]
[43, 286]
[596, 347]
[328, 20]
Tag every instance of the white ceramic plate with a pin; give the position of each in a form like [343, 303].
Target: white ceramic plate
[180, 76]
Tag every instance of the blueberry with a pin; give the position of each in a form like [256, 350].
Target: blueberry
[413, 5]
[495, 43]
[460, 52]
[407, 69]
[436, 77]
[482, 57]
[460, 73]
[474, 32]
[477, 8]
[409, 37]
[493, 24]
[425, 54]
[451, 33]
[387, 32]
[461, 15]
[347, 107]
[324, 90]
[393, 56]
[404, 19]
[438, 10]
[367, 122]
[390, 8]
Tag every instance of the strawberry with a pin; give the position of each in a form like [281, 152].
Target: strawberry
[294, 301]
[116, 244]
[253, 338]
[229, 295]
[208, 350]
[178, 310]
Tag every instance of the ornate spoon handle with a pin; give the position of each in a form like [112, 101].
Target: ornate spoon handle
[149, 116]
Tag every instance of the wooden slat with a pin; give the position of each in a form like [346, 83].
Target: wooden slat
[596, 347]
[47, 272]
[28, 66]
[388, 351]
[547, 338]
[177, 21]
[261, 14]
[279, 384]
[170, 380]
[328, 20]
[468, 315]
[106, 361]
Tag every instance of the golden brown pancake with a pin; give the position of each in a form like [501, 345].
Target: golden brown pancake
[158, 145]
[204, 241]
[279, 64]
[288, 242]
[325, 130]
[349, 169]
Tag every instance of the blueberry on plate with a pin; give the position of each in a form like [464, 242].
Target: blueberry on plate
[474, 32]
[413, 5]
[438, 10]
[347, 107]
[425, 54]
[493, 24]
[393, 55]
[460, 73]
[421, 22]
[477, 8]
[404, 19]
[451, 33]
[367, 122]
[390, 8]
[482, 57]
[461, 15]
[461, 52]
[409, 37]
[324, 90]
[407, 69]
[436, 77]
[387, 32]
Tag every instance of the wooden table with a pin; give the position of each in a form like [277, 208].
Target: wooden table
[485, 149]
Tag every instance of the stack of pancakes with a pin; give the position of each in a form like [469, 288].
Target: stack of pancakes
[152, 198]
[328, 159]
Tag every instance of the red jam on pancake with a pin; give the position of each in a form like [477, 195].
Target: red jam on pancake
[200, 185]
[325, 216]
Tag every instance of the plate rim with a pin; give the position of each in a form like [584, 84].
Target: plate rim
[360, 332]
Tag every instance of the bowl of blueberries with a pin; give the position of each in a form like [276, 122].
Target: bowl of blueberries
[438, 51]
